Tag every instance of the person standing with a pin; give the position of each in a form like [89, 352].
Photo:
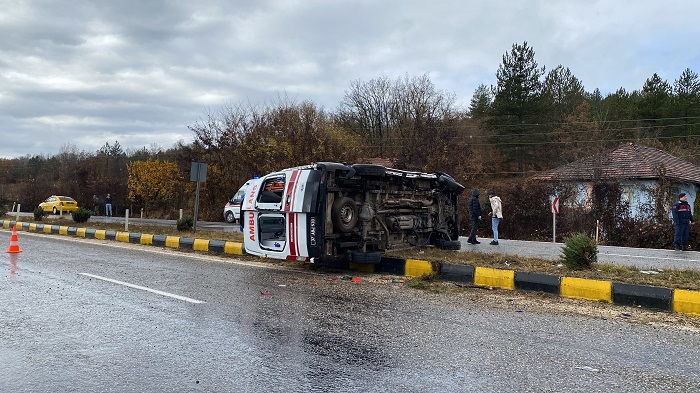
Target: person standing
[496, 214]
[682, 218]
[96, 204]
[108, 205]
[474, 216]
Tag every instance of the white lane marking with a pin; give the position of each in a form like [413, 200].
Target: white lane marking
[661, 258]
[230, 258]
[126, 284]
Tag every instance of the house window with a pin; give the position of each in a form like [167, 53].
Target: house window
[627, 195]
[585, 195]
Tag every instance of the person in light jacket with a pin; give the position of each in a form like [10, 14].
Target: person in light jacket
[108, 205]
[496, 214]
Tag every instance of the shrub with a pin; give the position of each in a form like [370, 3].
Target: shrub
[185, 224]
[38, 213]
[580, 252]
[82, 215]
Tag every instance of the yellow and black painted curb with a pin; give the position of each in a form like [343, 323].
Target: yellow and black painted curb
[183, 243]
[658, 298]
[645, 296]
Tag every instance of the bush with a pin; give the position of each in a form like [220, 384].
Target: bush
[580, 252]
[38, 213]
[185, 224]
[82, 215]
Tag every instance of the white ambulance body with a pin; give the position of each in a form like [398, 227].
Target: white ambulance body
[332, 211]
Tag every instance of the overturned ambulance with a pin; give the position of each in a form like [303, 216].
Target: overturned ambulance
[330, 212]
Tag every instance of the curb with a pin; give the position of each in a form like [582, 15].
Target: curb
[183, 243]
[645, 296]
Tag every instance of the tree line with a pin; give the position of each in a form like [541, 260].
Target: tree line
[530, 119]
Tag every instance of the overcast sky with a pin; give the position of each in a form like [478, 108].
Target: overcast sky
[86, 73]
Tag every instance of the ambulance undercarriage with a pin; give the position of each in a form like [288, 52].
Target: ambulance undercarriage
[332, 211]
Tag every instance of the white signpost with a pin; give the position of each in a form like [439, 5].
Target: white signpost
[554, 200]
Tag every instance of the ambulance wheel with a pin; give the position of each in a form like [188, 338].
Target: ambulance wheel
[448, 244]
[344, 214]
[447, 181]
[230, 217]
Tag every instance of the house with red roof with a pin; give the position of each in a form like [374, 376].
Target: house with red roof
[639, 171]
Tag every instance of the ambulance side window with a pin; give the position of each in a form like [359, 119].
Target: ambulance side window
[238, 198]
[273, 231]
[272, 190]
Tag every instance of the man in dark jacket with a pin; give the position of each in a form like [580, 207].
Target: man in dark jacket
[682, 218]
[474, 216]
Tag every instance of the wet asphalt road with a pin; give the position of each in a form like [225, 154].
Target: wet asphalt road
[99, 316]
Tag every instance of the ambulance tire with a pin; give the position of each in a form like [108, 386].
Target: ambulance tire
[230, 217]
[369, 170]
[447, 181]
[448, 244]
[370, 258]
[344, 214]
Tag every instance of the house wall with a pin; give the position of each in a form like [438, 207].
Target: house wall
[639, 194]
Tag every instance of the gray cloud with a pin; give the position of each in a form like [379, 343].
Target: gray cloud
[91, 72]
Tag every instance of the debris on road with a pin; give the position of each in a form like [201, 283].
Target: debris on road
[587, 368]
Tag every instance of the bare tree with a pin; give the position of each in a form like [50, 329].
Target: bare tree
[408, 118]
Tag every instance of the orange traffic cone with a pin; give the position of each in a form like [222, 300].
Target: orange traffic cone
[14, 241]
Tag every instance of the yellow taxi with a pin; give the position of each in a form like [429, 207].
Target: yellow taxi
[57, 203]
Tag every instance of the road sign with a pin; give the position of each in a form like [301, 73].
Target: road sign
[198, 173]
[555, 205]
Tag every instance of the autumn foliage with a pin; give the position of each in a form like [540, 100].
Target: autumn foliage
[154, 183]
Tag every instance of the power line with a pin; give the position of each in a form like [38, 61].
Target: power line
[544, 143]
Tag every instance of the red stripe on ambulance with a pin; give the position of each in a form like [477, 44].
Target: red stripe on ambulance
[291, 191]
[292, 230]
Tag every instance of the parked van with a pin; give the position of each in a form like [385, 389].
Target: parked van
[332, 211]
[232, 210]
